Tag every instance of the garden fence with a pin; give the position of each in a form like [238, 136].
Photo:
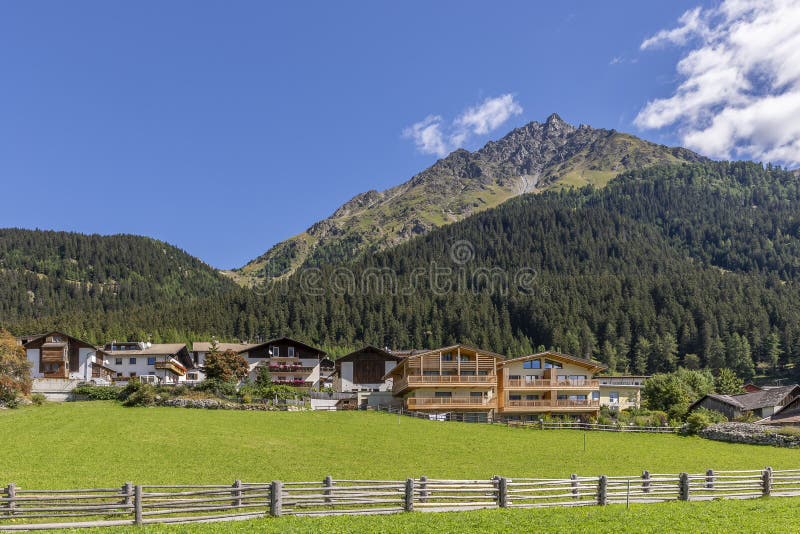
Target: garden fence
[129, 504]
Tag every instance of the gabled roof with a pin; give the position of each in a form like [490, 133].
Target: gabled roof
[37, 337]
[456, 346]
[786, 415]
[369, 348]
[755, 400]
[583, 362]
[441, 350]
[205, 346]
[291, 341]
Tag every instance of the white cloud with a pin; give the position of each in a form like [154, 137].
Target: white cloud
[739, 94]
[432, 136]
[427, 135]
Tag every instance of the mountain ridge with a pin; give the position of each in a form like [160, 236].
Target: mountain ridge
[529, 159]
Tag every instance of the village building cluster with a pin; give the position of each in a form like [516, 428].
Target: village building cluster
[474, 384]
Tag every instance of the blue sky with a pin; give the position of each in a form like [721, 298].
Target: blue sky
[225, 127]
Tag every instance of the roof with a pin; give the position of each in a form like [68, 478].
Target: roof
[786, 415]
[292, 341]
[369, 348]
[37, 337]
[755, 400]
[152, 350]
[441, 350]
[559, 356]
[405, 353]
[456, 346]
[205, 346]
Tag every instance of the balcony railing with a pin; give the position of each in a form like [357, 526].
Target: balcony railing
[547, 405]
[444, 380]
[538, 383]
[450, 402]
[611, 381]
[171, 366]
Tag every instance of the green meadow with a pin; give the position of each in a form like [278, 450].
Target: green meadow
[96, 444]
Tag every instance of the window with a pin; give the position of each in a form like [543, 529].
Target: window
[430, 373]
[119, 375]
[133, 375]
[117, 361]
[577, 378]
[532, 364]
[613, 397]
[477, 394]
[530, 378]
[132, 361]
[595, 395]
[291, 352]
[515, 397]
[447, 357]
[465, 372]
[531, 397]
[514, 377]
[550, 364]
[562, 377]
[151, 360]
[463, 358]
[442, 394]
[191, 376]
[276, 352]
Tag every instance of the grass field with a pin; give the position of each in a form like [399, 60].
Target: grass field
[91, 444]
[759, 515]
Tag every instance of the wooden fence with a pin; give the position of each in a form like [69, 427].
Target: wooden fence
[129, 504]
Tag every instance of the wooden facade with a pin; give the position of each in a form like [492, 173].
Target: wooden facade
[457, 378]
[57, 354]
[549, 383]
[364, 369]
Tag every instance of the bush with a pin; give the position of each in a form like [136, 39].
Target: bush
[701, 418]
[38, 399]
[130, 388]
[15, 371]
[97, 392]
[144, 395]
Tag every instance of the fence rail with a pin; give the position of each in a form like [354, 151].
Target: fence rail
[129, 504]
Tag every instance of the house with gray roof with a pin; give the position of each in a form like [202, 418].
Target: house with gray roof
[760, 404]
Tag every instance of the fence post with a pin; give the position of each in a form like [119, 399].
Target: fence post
[710, 479]
[645, 481]
[574, 478]
[683, 487]
[328, 483]
[276, 498]
[423, 487]
[502, 492]
[137, 505]
[127, 491]
[409, 496]
[237, 493]
[11, 493]
[766, 481]
[602, 491]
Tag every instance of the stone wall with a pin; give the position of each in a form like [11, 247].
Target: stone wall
[749, 433]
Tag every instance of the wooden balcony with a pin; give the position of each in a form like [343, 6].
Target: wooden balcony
[172, 366]
[413, 381]
[450, 403]
[551, 406]
[546, 384]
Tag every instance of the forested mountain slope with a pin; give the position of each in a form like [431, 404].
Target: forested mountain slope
[47, 274]
[673, 265]
[533, 158]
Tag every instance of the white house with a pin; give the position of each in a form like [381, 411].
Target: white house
[58, 355]
[169, 362]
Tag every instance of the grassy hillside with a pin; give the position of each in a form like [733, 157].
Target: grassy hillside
[170, 445]
[533, 158]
